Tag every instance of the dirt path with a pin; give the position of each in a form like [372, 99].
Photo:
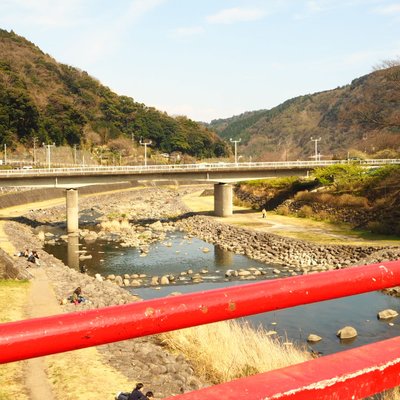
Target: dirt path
[42, 302]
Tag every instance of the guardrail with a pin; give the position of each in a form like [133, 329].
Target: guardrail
[347, 375]
[190, 167]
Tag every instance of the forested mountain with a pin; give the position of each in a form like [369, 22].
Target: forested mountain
[53, 102]
[360, 119]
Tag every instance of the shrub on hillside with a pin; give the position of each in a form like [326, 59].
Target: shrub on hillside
[324, 216]
[337, 201]
[341, 176]
[348, 200]
[283, 209]
[305, 212]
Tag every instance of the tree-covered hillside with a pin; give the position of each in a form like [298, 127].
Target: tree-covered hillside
[52, 102]
[360, 119]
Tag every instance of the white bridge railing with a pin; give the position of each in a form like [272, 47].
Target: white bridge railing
[141, 169]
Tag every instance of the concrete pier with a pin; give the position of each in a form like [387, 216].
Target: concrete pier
[223, 199]
[72, 211]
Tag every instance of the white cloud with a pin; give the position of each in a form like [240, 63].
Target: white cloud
[232, 15]
[42, 13]
[188, 31]
[390, 9]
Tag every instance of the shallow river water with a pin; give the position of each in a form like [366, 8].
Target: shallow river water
[177, 254]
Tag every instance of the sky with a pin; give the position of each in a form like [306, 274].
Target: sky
[210, 59]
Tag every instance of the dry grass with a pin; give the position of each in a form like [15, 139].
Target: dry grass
[227, 350]
[393, 394]
[13, 297]
[74, 375]
[306, 212]
[116, 226]
[337, 201]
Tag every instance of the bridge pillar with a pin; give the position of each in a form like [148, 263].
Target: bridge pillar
[222, 199]
[72, 211]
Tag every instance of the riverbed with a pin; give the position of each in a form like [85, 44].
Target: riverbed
[178, 253]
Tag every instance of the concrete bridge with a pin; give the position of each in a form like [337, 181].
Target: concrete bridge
[222, 174]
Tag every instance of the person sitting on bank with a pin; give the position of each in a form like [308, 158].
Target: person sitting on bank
[149, 395]
[76, 297]
[137, 393]
[33, 257]
[24, 253]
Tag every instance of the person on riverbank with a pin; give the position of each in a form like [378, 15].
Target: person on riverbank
[33, 257]
[264, 213]
[76, 297]
[137, 393]
[24, 253]
[149, 395]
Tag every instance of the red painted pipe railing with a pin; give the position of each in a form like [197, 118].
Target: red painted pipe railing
[42, 336]
[348, 375]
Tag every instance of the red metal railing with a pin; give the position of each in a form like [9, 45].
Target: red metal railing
[41, 336]
[352, 374]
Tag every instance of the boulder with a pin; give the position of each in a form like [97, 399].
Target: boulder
[312, 338]
[126, 282]
[156, 226]
[276, 271]
[41, 235]
[164, 280]
[387, 314]
[347, 332]
[99, 278]
[154, 281]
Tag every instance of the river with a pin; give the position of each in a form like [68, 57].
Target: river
[177, 253]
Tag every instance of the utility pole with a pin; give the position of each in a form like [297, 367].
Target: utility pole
[34, 150]
[145, 144]
[236, 142]
[48, 146]
[316, 147]
[74, 153]
[5, 153]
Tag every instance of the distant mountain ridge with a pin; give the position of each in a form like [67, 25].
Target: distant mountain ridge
[359, 119]
[46, 101]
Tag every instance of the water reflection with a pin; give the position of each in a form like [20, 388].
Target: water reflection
[222, 257]
[73, 251]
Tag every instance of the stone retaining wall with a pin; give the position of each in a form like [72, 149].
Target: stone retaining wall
[271, 248]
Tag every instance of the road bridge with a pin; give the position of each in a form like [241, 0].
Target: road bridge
[221, 174]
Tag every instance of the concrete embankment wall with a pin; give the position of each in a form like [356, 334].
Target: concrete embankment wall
[34, 195]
